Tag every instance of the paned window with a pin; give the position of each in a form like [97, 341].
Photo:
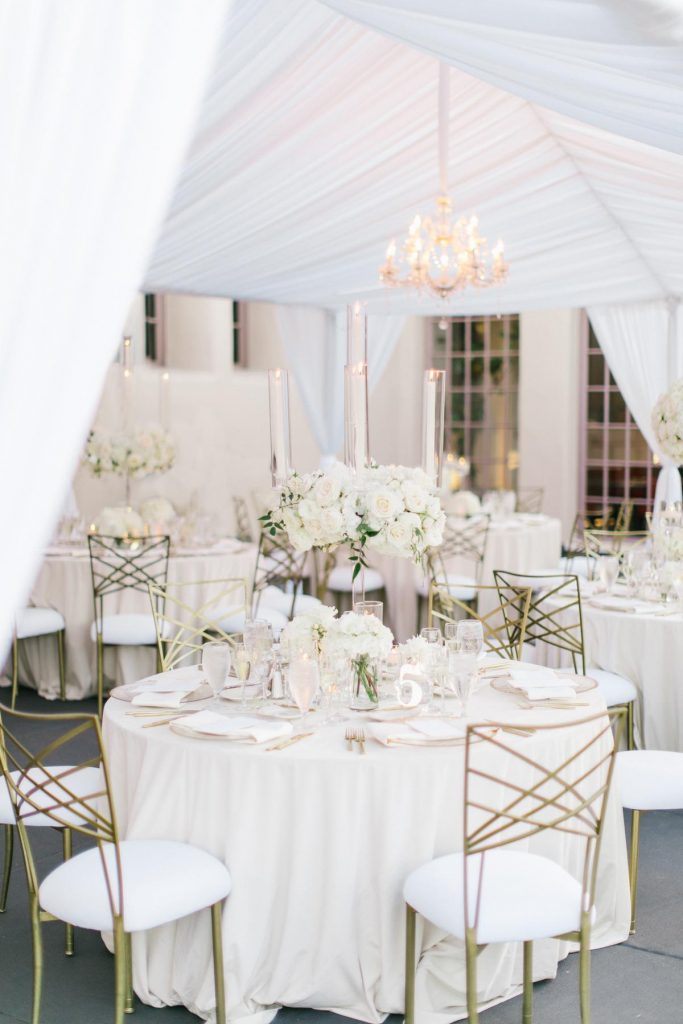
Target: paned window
[154, 328]
[239, 334]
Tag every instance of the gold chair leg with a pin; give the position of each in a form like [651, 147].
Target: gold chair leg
[37, 957]
[15, 671]
[585, 971]
[630, 741]
[62, 664]
[410, 966]
[218, 966]
[69, 928]
[100, 675]
[471, 972]
[7, 869]
[633, 865]
[527, 998]
[119, 970]
[130, 992]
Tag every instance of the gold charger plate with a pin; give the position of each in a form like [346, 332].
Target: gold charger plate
[582, 684]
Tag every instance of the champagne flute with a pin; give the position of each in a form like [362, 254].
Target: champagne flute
[242, 658]
[216, 665]
[462, 670]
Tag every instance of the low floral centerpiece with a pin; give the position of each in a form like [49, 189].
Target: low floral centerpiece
[119, 521]
[137, 454]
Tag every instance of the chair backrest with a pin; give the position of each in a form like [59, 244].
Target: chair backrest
[462, 538]
[502, 612]
[243, 528]
[614, 542]
[530, 499]
[511, 796]
[278, 564]
[554, 616]
[117, 565]
[188, 615]
[38, 789]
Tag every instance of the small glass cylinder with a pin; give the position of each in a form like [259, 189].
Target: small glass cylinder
[433, 411]
[356, 334]
[375, 608]
[356, 439]
[165, 400]
[364, 683]
[280, 437]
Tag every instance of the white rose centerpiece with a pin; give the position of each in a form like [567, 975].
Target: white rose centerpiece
[365, 642]
[138, 454]
[667, 422]
[121, 522]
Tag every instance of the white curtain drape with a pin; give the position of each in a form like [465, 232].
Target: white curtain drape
[643, 346]
[314, 341]
[97, 103]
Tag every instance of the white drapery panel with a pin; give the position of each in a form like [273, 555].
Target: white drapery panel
[97, 105]
[643, 346]
[314, 341]
[318, 144]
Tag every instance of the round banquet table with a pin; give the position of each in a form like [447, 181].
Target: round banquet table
[518, 543]
[64, 583]
[319, 841]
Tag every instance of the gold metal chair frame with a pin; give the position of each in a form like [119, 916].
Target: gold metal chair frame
[530, 499]
[463, 538]
[613, 542]
[61, 660]
[242, 521]
[279, 565]
[504, 625]
[182, 629]
[116, 566]
[596, 521]
[544, 621]
[91, 816]
[555, 802]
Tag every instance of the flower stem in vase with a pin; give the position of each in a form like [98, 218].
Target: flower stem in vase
[128, 489]
[358, 587]
[365, 677]
[329, 560]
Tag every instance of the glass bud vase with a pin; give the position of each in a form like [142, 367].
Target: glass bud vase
[365, 679]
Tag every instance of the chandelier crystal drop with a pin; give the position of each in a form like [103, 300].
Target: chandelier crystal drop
[441, 255]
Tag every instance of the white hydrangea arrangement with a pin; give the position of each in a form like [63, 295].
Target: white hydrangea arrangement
[137, 455]
[311, 627]
[157, 512]
[391, 509]
[667, 422]
[463, 504]
[119, 521]
[414, 648]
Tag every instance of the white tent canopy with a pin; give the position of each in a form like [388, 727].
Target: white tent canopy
[315, 143]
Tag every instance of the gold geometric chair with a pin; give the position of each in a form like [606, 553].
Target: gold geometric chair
[279, 579]
[463, 539]
[555, 618]
[188, 615]
[617, 543]
[492, 892]
[530, 499]
[576, 559]
[503, 624]
[34, 622]
[119, 886]
[243, 528]
[114, 567]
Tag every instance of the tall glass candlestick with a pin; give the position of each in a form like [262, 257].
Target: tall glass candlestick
[356, 439]
[280, 437]
[433, 410]
[127, 383]
[165, 400]
[356, 334]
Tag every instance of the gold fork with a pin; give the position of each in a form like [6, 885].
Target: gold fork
[360, 739]
[349, 736]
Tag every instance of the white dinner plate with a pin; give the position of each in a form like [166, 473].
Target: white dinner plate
[581, 684]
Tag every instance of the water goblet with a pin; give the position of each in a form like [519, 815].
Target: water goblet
[470, 633]
[304, 681]
[608, 569]
[432, 634]
[462, 671]
[216, 665]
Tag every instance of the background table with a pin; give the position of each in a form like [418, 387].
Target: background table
[64, 583]
[319, 842]
[520, 543]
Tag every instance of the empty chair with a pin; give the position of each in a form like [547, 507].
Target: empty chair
[117, 566]
[34, 622]
[279, 578]
[649, 780]
[493, 891]
[119, 886]
[503, 621]
[465, 540]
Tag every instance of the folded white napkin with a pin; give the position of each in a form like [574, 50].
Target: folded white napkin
[615, 603]
[542, 683]
[177, 680]
[419, 732]
[152, 699]
[237, 727]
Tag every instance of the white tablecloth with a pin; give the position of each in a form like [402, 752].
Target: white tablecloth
[518, 544]
[64, 583]
[319, 842]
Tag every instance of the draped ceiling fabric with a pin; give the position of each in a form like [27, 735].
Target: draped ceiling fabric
[97, 101]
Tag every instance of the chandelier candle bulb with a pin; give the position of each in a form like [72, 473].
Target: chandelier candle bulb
[356, 334]
[280, 437]
[356, 431]
[433, 412]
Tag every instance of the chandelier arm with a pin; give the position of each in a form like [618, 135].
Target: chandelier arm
[444, 91]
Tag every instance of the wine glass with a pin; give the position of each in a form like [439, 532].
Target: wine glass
[470, 633]
[450, 631]
[304, 680]
[242, 660]
[216, 665]
[432, 634]
[608, 569]
[258, 638]
[462, 671]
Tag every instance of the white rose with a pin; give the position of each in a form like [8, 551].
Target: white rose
[326, 490]
[332, 522]
[383, 504]
[415, 497]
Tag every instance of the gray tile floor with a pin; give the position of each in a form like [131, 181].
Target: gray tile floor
[640, 981]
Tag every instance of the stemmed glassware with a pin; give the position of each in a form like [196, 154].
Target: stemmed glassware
[216, 665]
[304, 680]
[462, 672]
[608, 569]
[258, 638]
[242, 661]
[470, 633]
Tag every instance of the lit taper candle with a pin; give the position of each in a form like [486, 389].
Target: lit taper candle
[356, 439]
[280, 437]
[356, 334]
[433, 410]
[127, 383]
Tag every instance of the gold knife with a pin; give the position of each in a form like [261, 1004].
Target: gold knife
[290, 739]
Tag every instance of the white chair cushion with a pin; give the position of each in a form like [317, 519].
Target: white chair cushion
[341, 579]
[162, 881]
[126, 629]
[235, 623]
[650, 780]
[279, 601]
[524, 896]
[615, 689]
[462, 588]
[38, 622]
[83, 782]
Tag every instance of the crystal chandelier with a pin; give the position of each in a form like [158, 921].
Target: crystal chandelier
[440, 255]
